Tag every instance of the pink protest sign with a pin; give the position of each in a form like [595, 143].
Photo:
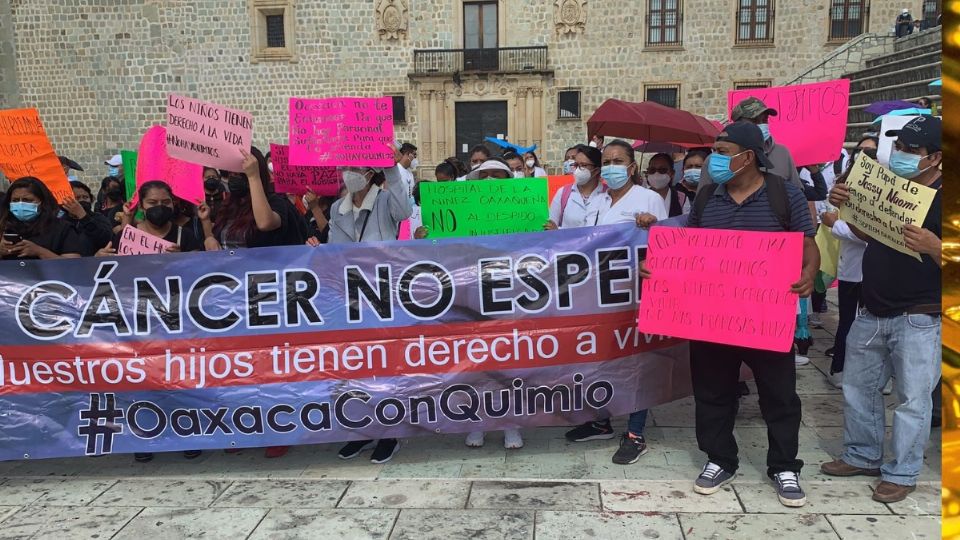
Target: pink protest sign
[133, 241]
[404, 233]
[730, 287]
[811, 118]
[207, 133]
[297, 180]
[153, 163]
[340, 132]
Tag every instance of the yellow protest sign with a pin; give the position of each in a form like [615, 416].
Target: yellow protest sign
[881, 203]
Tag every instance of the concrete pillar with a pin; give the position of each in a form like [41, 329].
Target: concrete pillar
[440, 124]
[521, 124]
[427, 134]
[537, 137]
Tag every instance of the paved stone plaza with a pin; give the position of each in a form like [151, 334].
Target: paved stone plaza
[437, 488]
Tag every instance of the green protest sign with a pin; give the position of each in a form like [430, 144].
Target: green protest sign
[129, 158]
[484, 207]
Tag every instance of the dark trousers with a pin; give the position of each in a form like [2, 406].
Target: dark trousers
[848, 296]
[715, 370]
[817, 301]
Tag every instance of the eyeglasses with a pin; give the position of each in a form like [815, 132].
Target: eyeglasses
[583, 166]
[661, 170]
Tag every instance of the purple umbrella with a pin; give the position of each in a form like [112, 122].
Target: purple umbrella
[881, 108]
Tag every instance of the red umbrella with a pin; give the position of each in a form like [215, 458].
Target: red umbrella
[649, 121]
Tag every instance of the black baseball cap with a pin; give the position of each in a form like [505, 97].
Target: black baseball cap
[749, 137]
[921, 132]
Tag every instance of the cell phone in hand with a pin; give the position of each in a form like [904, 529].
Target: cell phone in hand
[13, 238]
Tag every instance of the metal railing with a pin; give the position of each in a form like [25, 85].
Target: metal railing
[503, 59]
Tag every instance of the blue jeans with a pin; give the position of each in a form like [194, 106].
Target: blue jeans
[908, 345]
[637, 421]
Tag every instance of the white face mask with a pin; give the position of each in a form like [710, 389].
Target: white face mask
[593, 144]
[354, 181]
[582, 176]
[659, 180]
[518, 174]
[414, 164]
[530, 163]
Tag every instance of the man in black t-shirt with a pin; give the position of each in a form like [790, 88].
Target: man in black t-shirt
[896, 331]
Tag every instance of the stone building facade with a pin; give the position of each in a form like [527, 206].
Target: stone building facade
[99, 70]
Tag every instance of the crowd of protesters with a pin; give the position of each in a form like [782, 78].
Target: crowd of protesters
[888, 301]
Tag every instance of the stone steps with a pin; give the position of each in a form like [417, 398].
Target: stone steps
[925, 59]
[904, 74]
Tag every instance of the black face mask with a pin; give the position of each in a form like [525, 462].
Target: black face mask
[87, 206]
[239, 186]
[870, 152]
[211, 184]
[115, 194]
[159, 216]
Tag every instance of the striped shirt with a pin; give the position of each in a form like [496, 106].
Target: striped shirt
[755, 212]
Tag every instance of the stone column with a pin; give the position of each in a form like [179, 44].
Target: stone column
[427, 135]
[522, 127]
[537, 137]
[530, 128]
[440, 124]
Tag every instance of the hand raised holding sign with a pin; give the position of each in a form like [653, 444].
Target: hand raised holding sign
[74, 209]
[251, 167]
[839, 195]
[922, 240]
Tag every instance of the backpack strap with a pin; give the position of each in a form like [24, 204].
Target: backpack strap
[777, 197]
[702, 198]
[564, 199]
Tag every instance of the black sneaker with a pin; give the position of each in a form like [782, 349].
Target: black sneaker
[143, 457]
[353, 448]
[192, 454]
[385, 450]
[631, 448]
[711, 479]
[591, 431]
[788, 489]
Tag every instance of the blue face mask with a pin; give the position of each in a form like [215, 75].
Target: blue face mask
[765, 129]
[25, 211]
[72, 177]
[615, 175]
[568, 166]
[720, 168]
[904, 164]
[692, 176]
[113, 171]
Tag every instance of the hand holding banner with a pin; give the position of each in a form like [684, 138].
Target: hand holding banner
[811, 118]
[25, 150]
[341, 132]
[133, 241]
[484, 207]
[207, 133]
[721, 286]
[881, 203]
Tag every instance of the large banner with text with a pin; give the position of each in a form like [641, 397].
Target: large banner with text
[167, 352]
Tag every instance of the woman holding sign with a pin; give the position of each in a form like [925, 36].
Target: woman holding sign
[31, 230]
[377, 201]
[623, 202]
[157, 203]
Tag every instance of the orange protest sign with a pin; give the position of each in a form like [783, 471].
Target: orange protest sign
[26, 151]
[555, 184]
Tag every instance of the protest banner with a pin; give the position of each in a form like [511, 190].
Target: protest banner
[555, 184]
[885, 145]
[341, 132]
[324, 181]
[484, 207]
[133, 241]
[811, 118]
[721, 286]
[881, 203]
[25, 150]
[285, 346]
[206, 133]
[153, 163]
[129, 158]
